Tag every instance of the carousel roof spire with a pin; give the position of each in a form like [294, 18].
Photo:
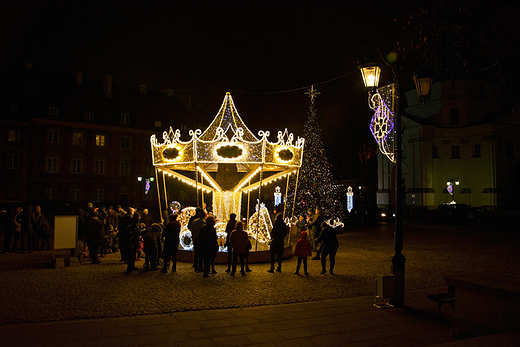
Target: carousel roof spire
[227, 117]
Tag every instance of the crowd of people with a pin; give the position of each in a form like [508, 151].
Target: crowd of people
[103, 231]
[26, 230]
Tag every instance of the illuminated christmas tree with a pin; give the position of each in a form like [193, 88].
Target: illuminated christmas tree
[314, 187]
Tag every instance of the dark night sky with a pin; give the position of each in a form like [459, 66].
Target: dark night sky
[254, 49]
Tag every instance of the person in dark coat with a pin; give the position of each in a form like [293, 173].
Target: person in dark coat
[277, 240]
[208, 244]
[171, 243]
[150, 246]
[134, 232]
[195, 227]
[122, 234]
[28, 222]
[302, 250]
[94, 236]
[43, 228]
[17, 222]
[329, 247]
[230, 226]
[239, 242]
[314, 225]
[301, 225]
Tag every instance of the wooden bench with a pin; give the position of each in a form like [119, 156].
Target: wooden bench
[444, 298]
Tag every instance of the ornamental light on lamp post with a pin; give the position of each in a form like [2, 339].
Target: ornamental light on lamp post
[451, 190]
[386, 128]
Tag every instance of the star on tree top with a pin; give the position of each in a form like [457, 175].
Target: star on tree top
[312, 92]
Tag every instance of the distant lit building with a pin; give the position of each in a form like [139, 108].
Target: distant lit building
[462, 133]
[64, 138]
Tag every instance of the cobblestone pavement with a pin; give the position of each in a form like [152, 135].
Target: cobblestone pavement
[31, 291]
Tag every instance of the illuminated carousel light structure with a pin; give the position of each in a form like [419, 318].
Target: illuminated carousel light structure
[239, 161]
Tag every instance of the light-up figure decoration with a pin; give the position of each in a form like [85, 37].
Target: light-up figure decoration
[260, 225]
[183, 217]
[382, 124]
[226, 145]
[334, 223]
[277, 196]
[350, 199]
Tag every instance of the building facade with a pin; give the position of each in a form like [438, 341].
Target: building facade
[65, 139]
[460, 135]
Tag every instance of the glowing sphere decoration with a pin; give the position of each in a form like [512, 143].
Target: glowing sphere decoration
[175, 207]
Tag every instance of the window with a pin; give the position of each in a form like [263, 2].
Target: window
[125, 118]
[52, 136]
[89, 115]
[52, 164]
[476, 151]
[14, 136]
[14, 107]
[99, 166]
[74, 195]
[100, 140]
[125, 142]
[77, 139]
[51, 194]
[454, 116]
[435, 151]
[124, 168]
[158, 124]
[99, 195]
[13, 161]
[455, 152]
[76, 165]
[53, 111]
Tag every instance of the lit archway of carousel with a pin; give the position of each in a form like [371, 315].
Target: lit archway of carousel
[227, 145]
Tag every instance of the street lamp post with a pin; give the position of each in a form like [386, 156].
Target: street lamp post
[370, 73]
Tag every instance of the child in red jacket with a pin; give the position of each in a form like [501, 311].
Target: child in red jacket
[302, 250]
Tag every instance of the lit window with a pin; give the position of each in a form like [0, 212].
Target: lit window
[14, 136]
[74, 195]
[455, 152]
[124, 168]
[99, 166]
[125, 118]
[77, 139]
[89, 115]
[125, 142]
[52, 164]
[52, 136]
[158, 124]
[13, 161]
[51, 194]
[99, 195]
[76, 165]
[100, 140]
[53, 111]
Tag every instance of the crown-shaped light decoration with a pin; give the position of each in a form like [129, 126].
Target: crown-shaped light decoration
[227, 140]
